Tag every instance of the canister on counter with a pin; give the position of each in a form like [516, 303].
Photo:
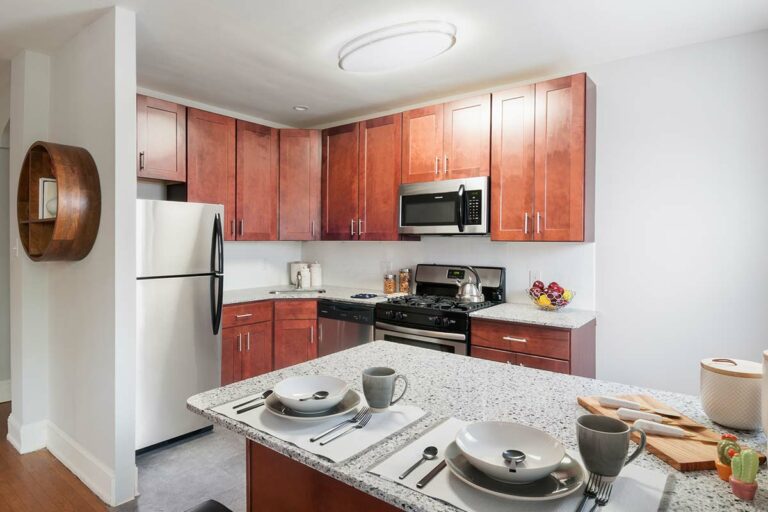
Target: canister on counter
[405, 280]
[390, 285]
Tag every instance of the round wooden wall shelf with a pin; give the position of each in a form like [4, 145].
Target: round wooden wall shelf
[64, 229]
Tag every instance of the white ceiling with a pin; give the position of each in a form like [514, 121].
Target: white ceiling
[260, 58]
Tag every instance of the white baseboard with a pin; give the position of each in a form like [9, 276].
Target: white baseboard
[94, 474]
[26, 438]
[5, 391]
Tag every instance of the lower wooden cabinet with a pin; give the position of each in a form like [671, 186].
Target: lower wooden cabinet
[295, 342]
[570, 351]
[246, 352]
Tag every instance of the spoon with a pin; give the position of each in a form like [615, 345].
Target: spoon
[513, 458]
[430, 453]
[318, 395]
[262, 397]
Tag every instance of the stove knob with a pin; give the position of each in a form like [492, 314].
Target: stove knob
[398, 315]
[438, 321]
[388, 314]
[405, 315]
[447, 322]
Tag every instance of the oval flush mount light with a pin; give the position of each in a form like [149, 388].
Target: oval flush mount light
[397, 46]
[300, 108]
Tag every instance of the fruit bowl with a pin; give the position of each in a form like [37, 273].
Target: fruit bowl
[551, 297]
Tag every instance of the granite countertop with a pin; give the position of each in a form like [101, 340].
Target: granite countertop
[475, 390]
[530, 314]
[339, 293]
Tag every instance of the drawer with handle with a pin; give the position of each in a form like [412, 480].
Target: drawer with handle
[247, 313]
[526, 339]
[296, 309]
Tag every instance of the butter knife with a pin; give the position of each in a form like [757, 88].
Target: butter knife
[432, 474]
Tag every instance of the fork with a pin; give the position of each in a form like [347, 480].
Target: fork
[360, 424]
[603, 494]
[357, 417]
[590, 491]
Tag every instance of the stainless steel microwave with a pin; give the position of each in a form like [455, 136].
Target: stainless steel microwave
[448, 207]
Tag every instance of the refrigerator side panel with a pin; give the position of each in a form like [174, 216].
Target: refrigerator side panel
[178, 356]
[174, 238]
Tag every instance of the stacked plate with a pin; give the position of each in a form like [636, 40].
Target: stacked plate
[513, 461]
[311, 398]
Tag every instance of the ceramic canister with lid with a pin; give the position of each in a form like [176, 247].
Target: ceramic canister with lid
[731, 392]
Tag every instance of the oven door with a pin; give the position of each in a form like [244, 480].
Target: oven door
[450, 207]
[423, 339]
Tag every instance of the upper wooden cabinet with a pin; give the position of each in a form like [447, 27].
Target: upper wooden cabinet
[299, 184]
[340, 182]
[512, 171]
[379, 178]
[161, 139]
[257, 181]
[211, 163]
[542, 180]
[447, 141]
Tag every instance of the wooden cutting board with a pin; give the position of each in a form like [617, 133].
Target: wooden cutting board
[681, 454]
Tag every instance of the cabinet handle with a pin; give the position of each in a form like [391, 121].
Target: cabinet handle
[141, 160]
[445, 166]
[437, 165]
[239, 342]
[312, 229]
[232, 227]
[248, 341]
[242, 226]
[311, 334]
[538, 222]
[244, 315]
[512, 338]
[359, 227]
[525, 224]
[320, 332]
[352, 227]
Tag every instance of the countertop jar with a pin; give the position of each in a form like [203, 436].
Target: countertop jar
[405, 280]
[390, 286]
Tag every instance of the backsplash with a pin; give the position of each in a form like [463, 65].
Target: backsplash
[363, 264]
[256, 264]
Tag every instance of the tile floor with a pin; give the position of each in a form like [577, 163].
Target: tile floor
[175, 478]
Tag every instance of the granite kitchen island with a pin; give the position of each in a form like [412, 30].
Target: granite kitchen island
[473, 390]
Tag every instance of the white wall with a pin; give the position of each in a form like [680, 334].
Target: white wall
[365, 263]
[5, 249]
[256, 264]
[682, 216]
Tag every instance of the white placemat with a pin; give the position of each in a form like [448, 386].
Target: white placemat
[382, 425]
[635, 490]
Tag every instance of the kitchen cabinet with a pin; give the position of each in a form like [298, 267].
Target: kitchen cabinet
[257, 176]
[570, 351]
[211, 140]
[447, 141]
[299, 205]
[379, 178]
[161, 139]
[295, 332]
[542, 178]
[245, 352]
[340, 182]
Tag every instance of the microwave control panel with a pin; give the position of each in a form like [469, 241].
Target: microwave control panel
[474, 207]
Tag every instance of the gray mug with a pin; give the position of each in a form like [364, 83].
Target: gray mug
[379, 386]
[603, 444]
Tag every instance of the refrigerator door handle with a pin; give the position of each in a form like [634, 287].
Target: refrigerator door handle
[217, 273]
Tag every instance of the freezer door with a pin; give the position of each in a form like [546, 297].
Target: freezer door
[174, 238]
[177, 356]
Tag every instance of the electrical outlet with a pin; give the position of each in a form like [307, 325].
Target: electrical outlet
[533, 276]
[15, 248]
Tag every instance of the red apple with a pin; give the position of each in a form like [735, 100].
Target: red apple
[538, 284]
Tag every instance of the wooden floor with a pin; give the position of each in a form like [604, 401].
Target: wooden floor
[38, 482]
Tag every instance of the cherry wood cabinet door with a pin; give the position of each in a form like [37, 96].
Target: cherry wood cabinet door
[340, 183]
[512, 164]
[300, 162]
[295, 342]
[230, 355]
[559, 160]
[379, 176]
[256, 355]
[257, 181]
[422, 144]
[467, 137]
[161, 137]
[211, 163]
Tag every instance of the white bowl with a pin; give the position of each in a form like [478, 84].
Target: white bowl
[290, 390]
[483, 444]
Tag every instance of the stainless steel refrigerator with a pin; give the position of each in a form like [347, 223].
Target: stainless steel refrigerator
[180, 278]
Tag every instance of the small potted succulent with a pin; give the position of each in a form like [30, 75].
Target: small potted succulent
[744, 465]
[726, 449]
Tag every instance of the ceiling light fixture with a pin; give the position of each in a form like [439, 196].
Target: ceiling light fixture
[300, 108]
[397, 46]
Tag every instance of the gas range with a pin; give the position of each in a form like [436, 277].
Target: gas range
[432, 317]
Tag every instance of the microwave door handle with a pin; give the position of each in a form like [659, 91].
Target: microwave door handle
[460, 208]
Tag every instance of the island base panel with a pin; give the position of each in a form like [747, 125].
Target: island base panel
[276, 483]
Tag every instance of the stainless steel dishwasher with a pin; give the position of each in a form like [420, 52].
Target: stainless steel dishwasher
[343, 325]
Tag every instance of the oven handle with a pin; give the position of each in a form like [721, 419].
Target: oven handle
[420, 332]
[460, 207]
